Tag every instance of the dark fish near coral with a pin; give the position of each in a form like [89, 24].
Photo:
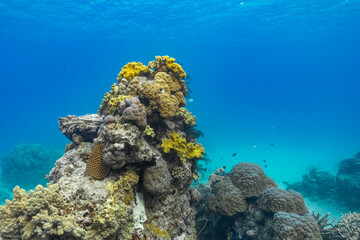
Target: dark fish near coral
[264, 160]
[265, 166]
[234, 154]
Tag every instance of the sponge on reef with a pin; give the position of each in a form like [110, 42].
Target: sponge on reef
[96, 167]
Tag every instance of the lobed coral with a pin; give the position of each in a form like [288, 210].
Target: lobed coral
[132, 69]
[275, 200]
[96, 167]
[185, 151]
[169, 62]
[41, 214]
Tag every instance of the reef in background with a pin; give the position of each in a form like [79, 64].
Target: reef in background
[126, 173]
[344, 187]
[246, 204]
[26, 165]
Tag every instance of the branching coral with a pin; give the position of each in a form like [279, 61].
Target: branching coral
[133, 69]
[38, 215]
[184, 150]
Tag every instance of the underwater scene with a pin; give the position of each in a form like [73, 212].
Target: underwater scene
[208, 120]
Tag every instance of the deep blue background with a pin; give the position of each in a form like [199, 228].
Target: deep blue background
[282, 72]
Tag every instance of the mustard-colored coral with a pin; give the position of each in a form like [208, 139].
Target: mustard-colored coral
[158, 93]
[111, 101]
[184, 150]
[42, 214]
[133, 69]
[149, 131]
[186, 116]
[115, 219]
[96, 167]
[169, 62]
[158, 231]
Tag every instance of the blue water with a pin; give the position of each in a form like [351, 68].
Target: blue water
[281, 72]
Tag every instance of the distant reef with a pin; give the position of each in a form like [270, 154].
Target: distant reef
[344, 187]
[27, 164]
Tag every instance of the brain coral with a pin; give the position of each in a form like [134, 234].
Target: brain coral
[27, 164]
[96, 166]
[250, 179]
[275, 200]
[295, 227]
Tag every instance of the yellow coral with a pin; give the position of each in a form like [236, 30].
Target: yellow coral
[169, 63]
[133, 69]
[184, 150]
[186, 116]
[158, 231]
[149, 131]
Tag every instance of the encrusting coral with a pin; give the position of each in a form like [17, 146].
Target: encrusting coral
[185, 151]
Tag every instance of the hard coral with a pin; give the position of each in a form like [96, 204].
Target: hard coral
[96, 167]
[184, 114]
[295, 227]
[134, 112]
[184, 150]
[132, 69]
[275, 200]
[111, 101]
[38, 215]
[169, 63]
[115, 219]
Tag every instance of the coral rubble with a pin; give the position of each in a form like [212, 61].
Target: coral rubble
[116, 179]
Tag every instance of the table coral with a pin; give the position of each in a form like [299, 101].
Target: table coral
[38, 215]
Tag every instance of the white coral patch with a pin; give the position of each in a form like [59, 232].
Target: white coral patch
[139, 212]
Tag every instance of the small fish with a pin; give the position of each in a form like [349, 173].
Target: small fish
[254, 147]
[264, 160]
[265, 166]
[64, 64]
[234, 154]
[191, 100]
[272, 144]
[272, 128]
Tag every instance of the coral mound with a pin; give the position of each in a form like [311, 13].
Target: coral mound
[115, 180]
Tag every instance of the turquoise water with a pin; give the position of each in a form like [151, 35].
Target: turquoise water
[273, 80]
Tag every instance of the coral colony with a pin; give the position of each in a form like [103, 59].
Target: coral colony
[127, 172]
